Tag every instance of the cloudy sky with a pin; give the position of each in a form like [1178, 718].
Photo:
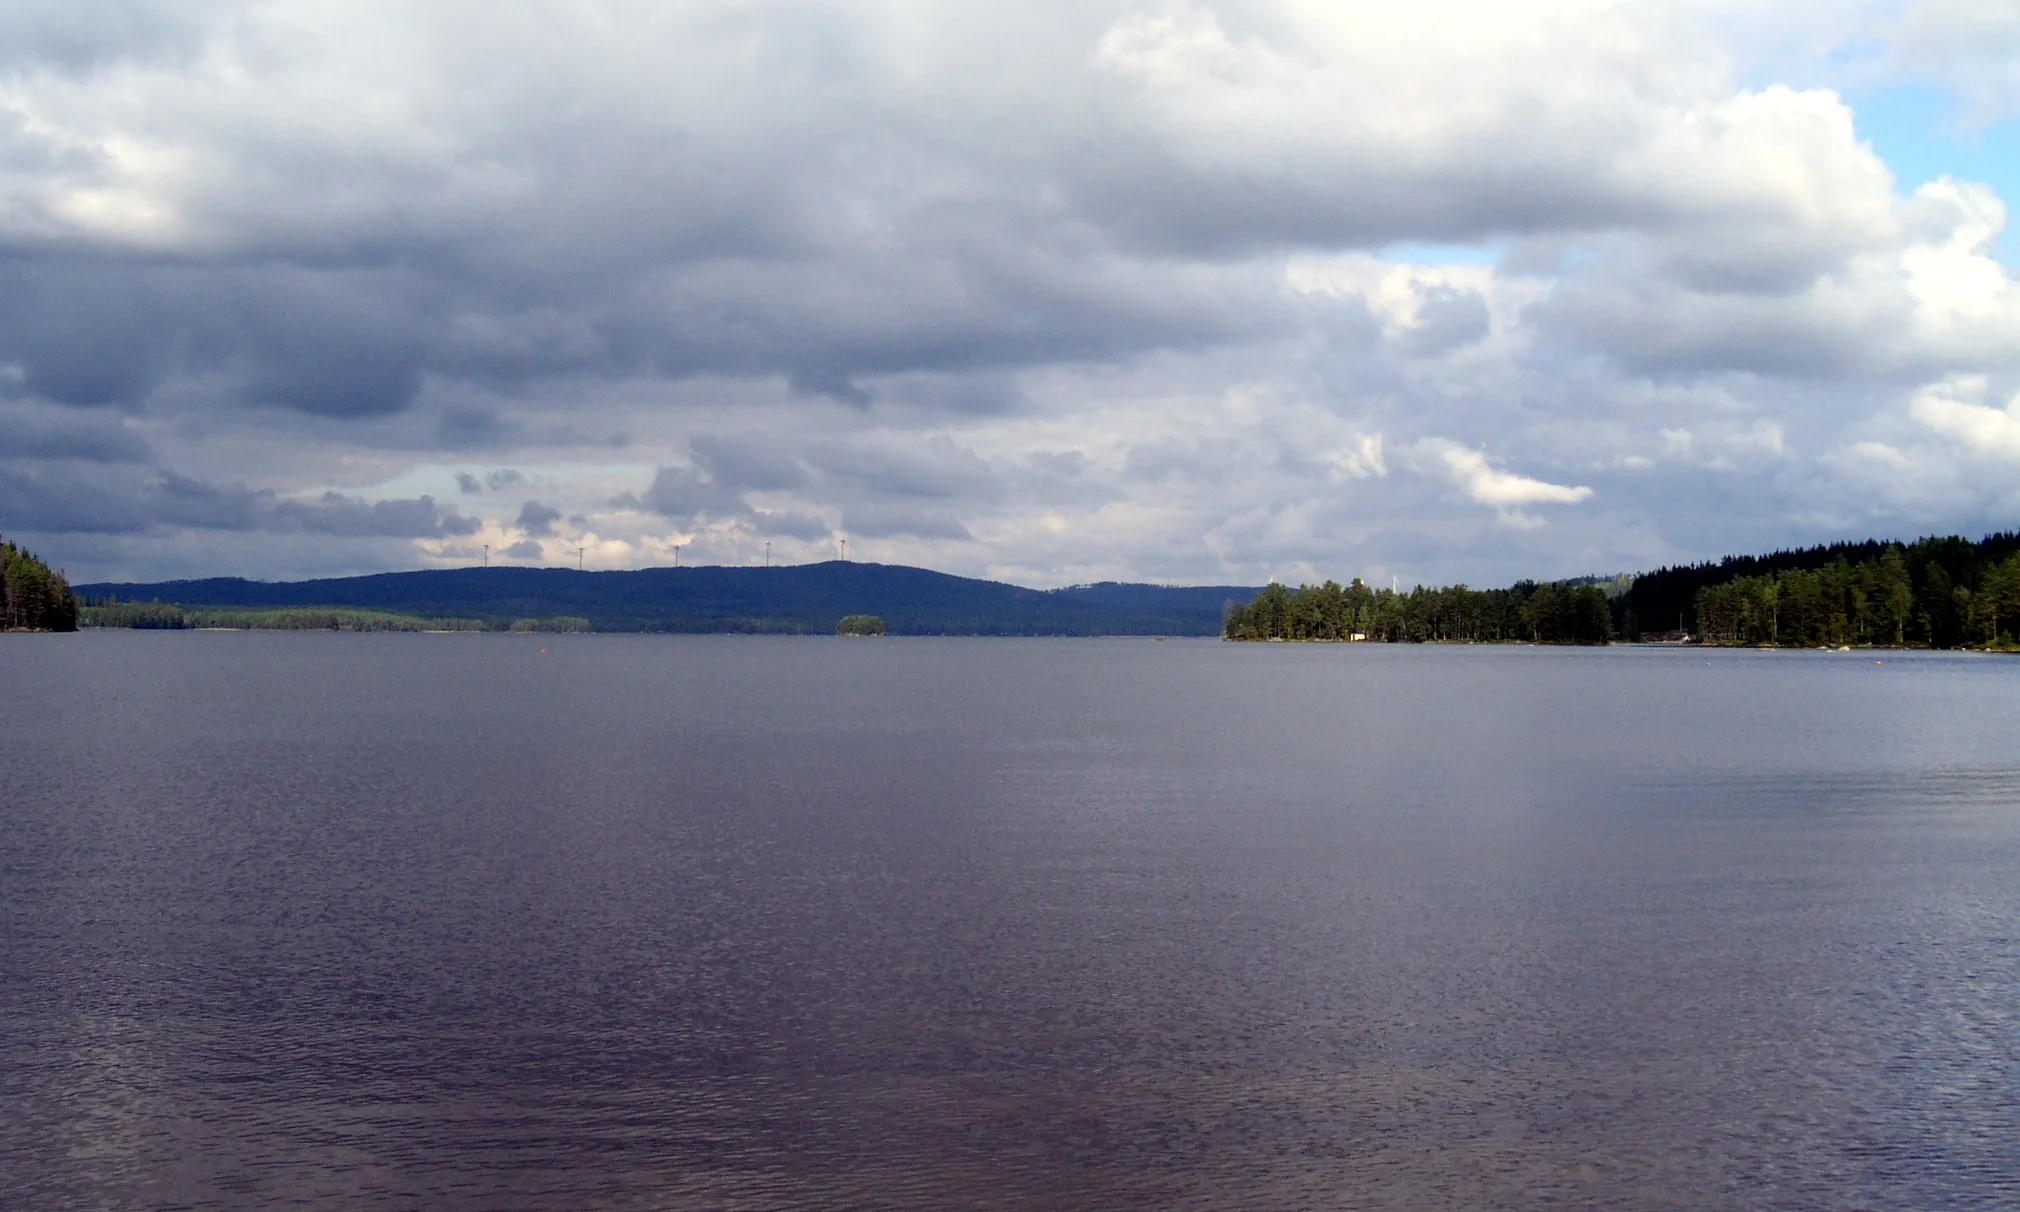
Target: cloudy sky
[1459, 290]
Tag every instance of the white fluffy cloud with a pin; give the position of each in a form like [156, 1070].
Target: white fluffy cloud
[1957, 409]
[1489, 485]
[1187, 291]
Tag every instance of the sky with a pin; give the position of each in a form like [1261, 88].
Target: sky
[1454, 291]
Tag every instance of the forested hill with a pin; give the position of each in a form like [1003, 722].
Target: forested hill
[805, 598]
[33, 597]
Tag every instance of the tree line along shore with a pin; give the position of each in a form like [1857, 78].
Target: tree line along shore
[33, 596]
[1525, 612]
[1945, 592]
[166, 616]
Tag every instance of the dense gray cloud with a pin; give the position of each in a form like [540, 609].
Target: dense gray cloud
[538, 520]
[747, 461]
[1055, 292]
[28, 432]
[86, 500]
[84, 35]
[678, 492]
[1447, 318]
[336, 514]
[903, 521]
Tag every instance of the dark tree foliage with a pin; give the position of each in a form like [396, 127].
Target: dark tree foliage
[1668, 597]
[33, 597]
[166, 616]
[1526, 612]
[137, 616]
[1941, 593]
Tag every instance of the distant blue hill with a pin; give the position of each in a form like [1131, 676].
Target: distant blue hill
[804, 598]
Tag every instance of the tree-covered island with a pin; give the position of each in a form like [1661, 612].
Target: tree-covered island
[33, 597]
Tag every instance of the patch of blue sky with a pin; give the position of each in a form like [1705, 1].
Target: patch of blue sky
[1921, 133]
[1412, 253]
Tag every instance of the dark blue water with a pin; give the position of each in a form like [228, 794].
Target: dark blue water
[637, 922]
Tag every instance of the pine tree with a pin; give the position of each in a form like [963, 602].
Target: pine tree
[32, 597]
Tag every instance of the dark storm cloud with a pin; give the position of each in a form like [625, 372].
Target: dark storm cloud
[35, 498]
[92, 330]
[473, 429]
[337, 514]
[56, 500]
[748, 461]
[886, 489]
[538, 520]
[678, 492]
[55, 434]
[358, 342]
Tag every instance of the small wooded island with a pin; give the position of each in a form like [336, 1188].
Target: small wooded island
[33, 597]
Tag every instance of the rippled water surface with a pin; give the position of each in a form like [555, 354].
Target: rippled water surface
[653, 922]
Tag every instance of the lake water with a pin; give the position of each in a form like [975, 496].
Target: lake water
[496, 922]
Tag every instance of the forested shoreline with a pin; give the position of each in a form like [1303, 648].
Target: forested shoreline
[33, 597]
[1936, 567]
[1937, 592]
[167, 616]
[1527, 612]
